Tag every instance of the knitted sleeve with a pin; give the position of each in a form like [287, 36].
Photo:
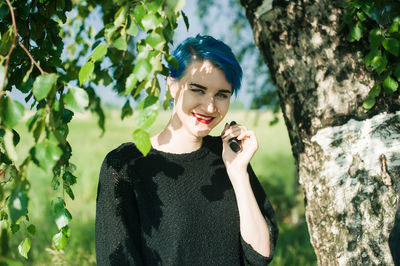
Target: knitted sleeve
[251, 256]
[117, 233]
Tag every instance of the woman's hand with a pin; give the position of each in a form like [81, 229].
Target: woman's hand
[238, 162]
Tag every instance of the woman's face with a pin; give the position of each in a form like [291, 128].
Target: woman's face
[201, 98]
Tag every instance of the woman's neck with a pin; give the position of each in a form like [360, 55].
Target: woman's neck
[176, 140]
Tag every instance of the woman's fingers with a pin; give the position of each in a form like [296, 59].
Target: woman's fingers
[233, 132]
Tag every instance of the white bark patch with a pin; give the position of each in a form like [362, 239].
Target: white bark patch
[348, 181]
[331, 95]
[290, 62]
[316, 40]
[329, 53]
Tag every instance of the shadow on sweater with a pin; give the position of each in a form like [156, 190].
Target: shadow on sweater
[223, 184]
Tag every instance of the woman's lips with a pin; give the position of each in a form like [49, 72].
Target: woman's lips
[204, 119]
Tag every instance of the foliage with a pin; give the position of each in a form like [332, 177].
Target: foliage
[377, 21]
[128, 52]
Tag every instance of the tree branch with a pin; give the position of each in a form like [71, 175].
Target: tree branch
[12, 48]
[32, 60]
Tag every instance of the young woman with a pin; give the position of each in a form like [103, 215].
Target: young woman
[192, 200]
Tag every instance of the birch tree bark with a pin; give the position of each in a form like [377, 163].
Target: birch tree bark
[348, 160]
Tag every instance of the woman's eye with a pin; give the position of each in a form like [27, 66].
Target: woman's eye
[198, 91]
[222, 95]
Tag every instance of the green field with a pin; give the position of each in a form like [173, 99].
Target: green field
[273, 163]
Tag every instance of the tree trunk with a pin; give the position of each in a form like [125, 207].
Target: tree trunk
[348, 160]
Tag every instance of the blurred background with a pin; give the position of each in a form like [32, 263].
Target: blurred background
[256, 106]
[273, 164]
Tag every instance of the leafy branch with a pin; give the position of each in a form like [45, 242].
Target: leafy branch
[379, 21]
[11, 48]
[133, 68]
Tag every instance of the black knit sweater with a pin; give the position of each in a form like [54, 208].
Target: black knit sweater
[173, 209]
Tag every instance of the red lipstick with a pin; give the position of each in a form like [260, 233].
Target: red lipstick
[204, 119]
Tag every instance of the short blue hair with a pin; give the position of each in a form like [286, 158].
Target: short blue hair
[204, 47]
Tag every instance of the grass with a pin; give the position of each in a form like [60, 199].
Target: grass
[273, 163]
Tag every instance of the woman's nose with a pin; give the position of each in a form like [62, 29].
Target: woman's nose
[210, 105]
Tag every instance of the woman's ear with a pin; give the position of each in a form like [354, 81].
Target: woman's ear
[172, 86]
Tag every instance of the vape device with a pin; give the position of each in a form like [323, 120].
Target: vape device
[234, 143]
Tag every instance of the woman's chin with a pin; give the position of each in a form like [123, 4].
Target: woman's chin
[202, 133]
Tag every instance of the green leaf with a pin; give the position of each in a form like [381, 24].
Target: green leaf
[167, 98]
[156, 40]
[356, 31]
[62, 218]
[370, 56]
[149, 101]
[390, 84]
[16, 137]
[368, 103]
[375, 91]
[139, 88]
[76, 99]
[69, 191]
[156, 65]
[126, 110]
[142, 141]
[168, 33]
[130, 83]
[57, 204]
[396, 71]
[120, 44]
[46, 154]
[4, 10]
[43, 85]
[31, 229]
[375, 38]
[175, 5]
[394, 27]
[69, 179]
[11, 111]
[6, 41]
[85, 72]
[146, 118]
[14, 228]
[133, 29]
[151, 22]
[99, 53]
[2, 73]
[24, 247]
[120, 16]
[379, 63]
[361, 16]
[139, 12]
[142, 69]
[109, 31]
[349, 15]
[59, 240]
[4, 159]
[66, 231]
[185, 19]
[9, 146]
[17, 205]
[154, 5]
[172, 61]
[392, 45]
[148, 111]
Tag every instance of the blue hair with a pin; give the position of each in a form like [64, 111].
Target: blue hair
[205, 47]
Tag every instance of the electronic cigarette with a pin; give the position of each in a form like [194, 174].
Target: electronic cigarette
[234, 143]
